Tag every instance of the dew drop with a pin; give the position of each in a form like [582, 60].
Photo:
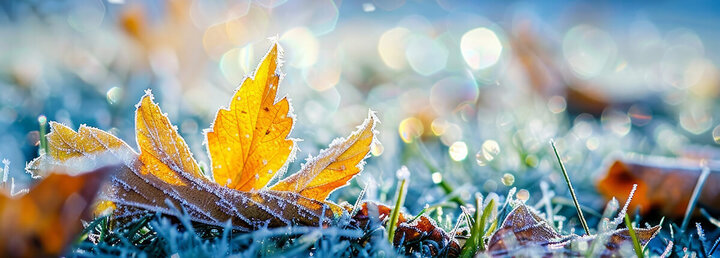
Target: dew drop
[436, 177]
[458, 151]
[377, 149]
[490, 149]
[716, 134]
[523, 195]
[508, 179]
[264, 162]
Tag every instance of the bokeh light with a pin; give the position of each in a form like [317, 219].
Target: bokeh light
[480, 48]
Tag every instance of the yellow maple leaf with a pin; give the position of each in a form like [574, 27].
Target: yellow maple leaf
[248, 145]
[248, 142]
[334, 166]
[163, 152]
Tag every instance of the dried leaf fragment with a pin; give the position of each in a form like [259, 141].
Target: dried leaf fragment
[524, 230]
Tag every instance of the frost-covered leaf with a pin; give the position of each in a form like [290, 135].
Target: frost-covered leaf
[524, 230]
[45, 220]
[334, 166]
[65, 144]
[163, 152]
[248, 142]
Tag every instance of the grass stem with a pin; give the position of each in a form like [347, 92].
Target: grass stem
[572, 190]
[42, 121]
[695, 196]
[396, 210]
[633, 236]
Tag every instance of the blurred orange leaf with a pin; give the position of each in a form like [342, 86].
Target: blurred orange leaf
[665, 185]
[45, 220]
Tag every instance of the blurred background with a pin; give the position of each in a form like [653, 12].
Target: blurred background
[469, 93]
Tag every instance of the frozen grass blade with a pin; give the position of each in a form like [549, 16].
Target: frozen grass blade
[668, 250]
[475, 242]
[695, 196]
[403, 174]
[572, 190]
[715, 245]
[701, 238]
[636, 243]
[42, 121]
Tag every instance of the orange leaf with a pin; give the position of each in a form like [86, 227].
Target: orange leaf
[334, 166]
[248, 142]
[47, 219]
[163, 152]
[664, 184]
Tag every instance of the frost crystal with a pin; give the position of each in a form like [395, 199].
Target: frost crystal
[621, 215]
[5, 170]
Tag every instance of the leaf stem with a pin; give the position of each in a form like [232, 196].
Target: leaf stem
[572, 190]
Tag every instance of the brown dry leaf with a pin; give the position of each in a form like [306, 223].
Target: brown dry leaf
[334, 166]
[248, 141]
[413, 235]
[45, 220]
[525, 231]
[664, 184]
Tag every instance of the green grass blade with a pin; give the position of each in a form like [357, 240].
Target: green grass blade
[572, 190]
[636, 243]
[396, 210]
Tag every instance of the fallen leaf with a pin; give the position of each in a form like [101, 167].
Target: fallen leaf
[248, 141]
[65, 144]
[664, 185]
[334, 166]
[46, 220]
[420, 233]
[525, 231]
[165, 177]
